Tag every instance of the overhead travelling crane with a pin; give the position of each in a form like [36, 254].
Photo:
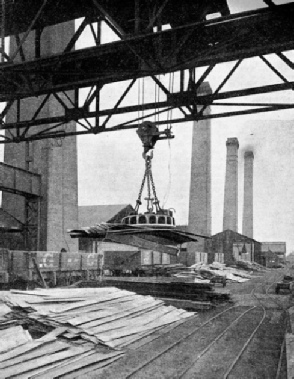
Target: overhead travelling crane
[144, 50]
[154, 228]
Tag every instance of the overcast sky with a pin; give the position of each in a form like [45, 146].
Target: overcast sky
[111, 167]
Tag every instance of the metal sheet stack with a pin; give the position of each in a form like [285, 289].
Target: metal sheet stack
[85, 329]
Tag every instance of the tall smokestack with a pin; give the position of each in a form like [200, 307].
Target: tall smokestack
[247, 227]
[231, 186]
[200, 185]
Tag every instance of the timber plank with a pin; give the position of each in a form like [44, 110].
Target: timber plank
[104, 314]
[4, 309]
[140, 319]
[158, 322]
[76, 364]
[12, 341]
[119, 315]
[133, 328]
[88, 317]
[41, 372]
[11, 331]
[79, 304]
[30, 346]
[24, 367]
[103, 317]
[48, 348]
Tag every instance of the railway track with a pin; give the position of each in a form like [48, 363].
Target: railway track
[207, 350]
[180, 358]
[266, 287]
[229, 345]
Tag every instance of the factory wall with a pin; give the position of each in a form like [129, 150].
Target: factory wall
[278, 248]
[189, 258]
[54, 159]
[225, 243]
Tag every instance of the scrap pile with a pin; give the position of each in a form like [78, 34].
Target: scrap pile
[249, 266]
[83, 329]
[218, 269]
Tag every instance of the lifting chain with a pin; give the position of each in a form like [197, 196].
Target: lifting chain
[148, 198]
[150, 185]
[156, 201]
[138, 201]
[149, 135]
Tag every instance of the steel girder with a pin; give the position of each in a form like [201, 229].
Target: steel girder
[202, 44]
[128, 16]
[230, 38]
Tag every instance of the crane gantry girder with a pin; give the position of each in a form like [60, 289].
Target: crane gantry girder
[128, 16]
[201, 44]
[142, 51]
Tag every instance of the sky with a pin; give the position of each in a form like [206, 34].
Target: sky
[111, 167]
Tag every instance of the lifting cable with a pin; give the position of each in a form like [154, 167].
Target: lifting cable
[157, 99]
[169, 118]
[170, 89]
[141, 98]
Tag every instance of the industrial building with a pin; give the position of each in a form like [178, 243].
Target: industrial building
[229, 246]
[276, 248]
[49, 211]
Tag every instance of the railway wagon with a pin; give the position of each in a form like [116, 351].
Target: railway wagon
[55, 268]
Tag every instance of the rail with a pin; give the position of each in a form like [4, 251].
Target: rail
[222, 330]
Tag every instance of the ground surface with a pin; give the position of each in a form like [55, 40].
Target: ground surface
[239, 340]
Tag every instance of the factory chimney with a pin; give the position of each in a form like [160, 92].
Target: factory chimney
[200, 185]
[230, 220]
[247, 227]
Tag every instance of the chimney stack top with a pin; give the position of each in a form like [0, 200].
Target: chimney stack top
[232, 141]
[249, 154]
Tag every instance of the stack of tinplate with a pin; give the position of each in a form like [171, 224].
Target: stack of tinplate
[86, 326]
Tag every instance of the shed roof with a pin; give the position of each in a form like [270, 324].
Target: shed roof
[236, 234]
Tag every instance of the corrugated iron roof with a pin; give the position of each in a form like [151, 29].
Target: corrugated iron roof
[232, 232]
